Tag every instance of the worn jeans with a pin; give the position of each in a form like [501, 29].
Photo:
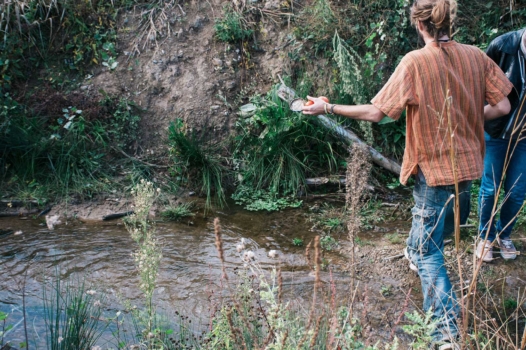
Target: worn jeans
[514, 187]
[433, 219]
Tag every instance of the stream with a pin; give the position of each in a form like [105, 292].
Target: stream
[99, 253]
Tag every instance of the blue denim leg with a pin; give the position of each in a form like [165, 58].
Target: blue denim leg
[433, 219]
[514, 187]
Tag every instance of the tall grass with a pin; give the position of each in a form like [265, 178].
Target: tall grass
[198, 162]
[73, 315]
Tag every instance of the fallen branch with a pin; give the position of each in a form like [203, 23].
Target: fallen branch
[287, 94]
[116, 215]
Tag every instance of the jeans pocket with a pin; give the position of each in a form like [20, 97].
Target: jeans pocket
[424, 221]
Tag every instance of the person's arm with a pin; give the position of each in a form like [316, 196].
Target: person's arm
[500, 109]
[361, 112]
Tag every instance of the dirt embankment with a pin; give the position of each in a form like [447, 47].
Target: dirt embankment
[186, 72]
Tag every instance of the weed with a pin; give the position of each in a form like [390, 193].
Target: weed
[197, 162]
[179, 212]
[255, 200]
[386, 290]
[149, 251]
[231, 27]
[298, 242]
[328, 243]
[123, 126]
[422, 328]
[370, 215]
[509, 304]
[394, 238]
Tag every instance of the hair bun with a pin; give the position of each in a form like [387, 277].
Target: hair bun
[440, 14]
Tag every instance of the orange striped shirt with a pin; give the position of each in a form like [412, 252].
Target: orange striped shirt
[441, 88]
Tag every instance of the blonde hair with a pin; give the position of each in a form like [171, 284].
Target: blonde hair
[437, 16]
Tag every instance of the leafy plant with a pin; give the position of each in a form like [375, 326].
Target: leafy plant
[328, 243]
[421, 327]
[298, 242]
[179, 212]
[255, 200]
[123, 126]
[197, 162]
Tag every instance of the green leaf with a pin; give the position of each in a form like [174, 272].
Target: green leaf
[386, 120]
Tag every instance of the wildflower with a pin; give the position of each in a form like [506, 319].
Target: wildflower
[91, 292]
[272, 253]
[96, 303]
[158, 190]
[118, 313]
[240, 247]
[249, 255]
[60, 339]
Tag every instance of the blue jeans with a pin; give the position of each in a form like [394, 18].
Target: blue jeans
[514, 187]
[433, 219]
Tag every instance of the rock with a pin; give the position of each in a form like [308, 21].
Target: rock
[230, 85]
[180, 54]
[217, 62]
[198, 23]
[214, 107]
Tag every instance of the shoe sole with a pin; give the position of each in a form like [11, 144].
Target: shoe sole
[412, 266]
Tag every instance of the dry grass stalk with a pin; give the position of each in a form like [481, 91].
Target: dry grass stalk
[402, 313]
[307, 254]
[236, 332]
[219, 246]
[280, 286]
[316, 332]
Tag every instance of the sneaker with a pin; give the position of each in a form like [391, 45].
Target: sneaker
[507, 249]
[411, 265]
[486, 249]
[448, 346]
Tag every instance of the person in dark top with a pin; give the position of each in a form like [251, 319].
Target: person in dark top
[505, 160]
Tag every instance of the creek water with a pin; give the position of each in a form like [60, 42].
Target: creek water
[99, 253]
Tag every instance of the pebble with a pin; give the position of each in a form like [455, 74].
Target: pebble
[217, 62]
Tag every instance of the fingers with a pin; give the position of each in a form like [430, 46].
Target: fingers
[315, 108]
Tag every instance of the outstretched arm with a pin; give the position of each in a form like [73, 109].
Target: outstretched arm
[361, 112]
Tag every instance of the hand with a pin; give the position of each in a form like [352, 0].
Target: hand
[315, 109]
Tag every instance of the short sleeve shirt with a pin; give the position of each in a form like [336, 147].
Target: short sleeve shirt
[443, 89]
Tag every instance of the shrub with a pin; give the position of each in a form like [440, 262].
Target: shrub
[276, 149]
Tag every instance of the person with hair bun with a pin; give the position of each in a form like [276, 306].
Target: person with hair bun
[505, 161]
[443, 88]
